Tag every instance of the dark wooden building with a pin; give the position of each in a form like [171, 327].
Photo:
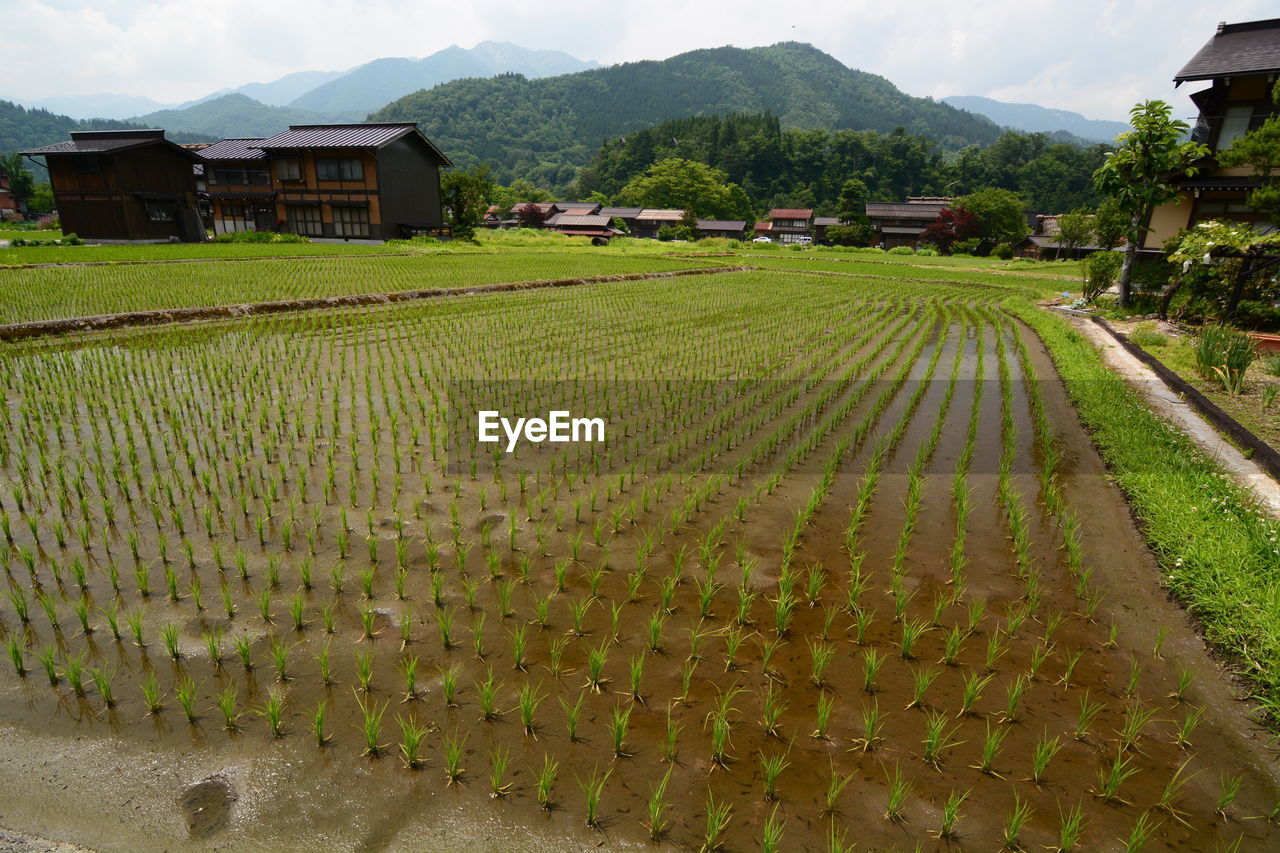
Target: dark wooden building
[731, 229]
[123, 185]
[377, 181]
[790, 224]
[240, 191]
[901, 223]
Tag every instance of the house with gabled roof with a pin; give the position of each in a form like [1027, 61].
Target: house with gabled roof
[127, 185]
[650, 220]
[1240, 64]
[370, 180]
[241, 193]
[791, 224]
[901, 223]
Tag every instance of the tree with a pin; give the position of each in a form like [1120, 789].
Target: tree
[530, 215]
[1109, 225]
[1075, 229]
[855, 234]
[952, 224]
[1141, 174]
[852, 204]
[999, 214]
[21, 184]
[1260, 149]
[1226, 256]
[465, 196]
[700, 190]
[42, 200]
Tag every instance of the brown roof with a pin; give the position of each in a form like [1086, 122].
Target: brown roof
[103, 141]
[235, 149]
[898, 210]
[361, 135]
[659, 215]
[1252, 47]
[620, 212]
[577, 206]
[721, 225]
[764, 226]
[826, 220]
[570, 220]
[790, 213]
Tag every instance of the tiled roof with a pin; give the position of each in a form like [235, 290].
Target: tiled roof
[790, 213]
[659, 215]
[102, 141]
[577, 206]
[897, 210]
[826, 220]
[721, 224]
[235, 149]
[1247, 48]
[620, 212]
[366, 135]
[570, 220]
[764, 226]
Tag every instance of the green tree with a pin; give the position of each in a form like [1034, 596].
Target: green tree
[1141, 174]
[1109, 224]
[1075, 229]
[999, 214]
[688, 185]
[42, 200]
[465, 195]
[21, 184]
[855, 234]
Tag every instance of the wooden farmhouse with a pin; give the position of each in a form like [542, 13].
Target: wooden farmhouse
[123, 185]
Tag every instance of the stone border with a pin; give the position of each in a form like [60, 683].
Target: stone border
[1261, 453]
[42, 328]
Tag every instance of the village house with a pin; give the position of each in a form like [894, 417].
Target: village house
[901, 223]
[790, 224]
[123, 185]
[241, 194]
[650, 220]
[1240, 63]
[365, 181]
[626, 215]
[820, 226]
[730, 229]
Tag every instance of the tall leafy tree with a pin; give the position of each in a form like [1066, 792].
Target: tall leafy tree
[21, 183]
[1075, 229]
[688, 185]
[952, 224]
[999, 213]
[465, 195]
[1140, 175]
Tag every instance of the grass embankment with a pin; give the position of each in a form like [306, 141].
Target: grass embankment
[50, 293]
[1251, 407]
[1220, 553]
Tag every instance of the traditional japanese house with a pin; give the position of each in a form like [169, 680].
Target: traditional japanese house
[732, 229]
[901, 223]
[790, 224]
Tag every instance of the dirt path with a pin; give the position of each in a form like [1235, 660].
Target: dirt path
[1170, 405]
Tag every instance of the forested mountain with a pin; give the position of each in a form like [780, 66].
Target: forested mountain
[1033, 118]
[376, 83]
[809, 168]
[234, 115]
[545, 129]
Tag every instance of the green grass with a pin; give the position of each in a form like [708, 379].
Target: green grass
[48, 293]
[134, 253]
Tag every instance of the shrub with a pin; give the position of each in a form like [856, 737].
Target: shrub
[1145, 335]
[927, 252]
[1257, 315]
[1271, 365]
[1003, 251]
[1100, 270]
[902, 250]
[259, 237]
[966, 247]
[1225, 354]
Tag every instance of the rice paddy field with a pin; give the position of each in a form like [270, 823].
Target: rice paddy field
[847, 569]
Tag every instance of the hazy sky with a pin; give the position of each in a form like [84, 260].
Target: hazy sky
[1090, 56]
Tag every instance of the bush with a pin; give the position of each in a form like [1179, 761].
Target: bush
[1145, 335]
[1003, 251]
[1100, 270]
[1271, 365]
[927, 252]
[966, 247]
[902, 250]
[1224, 354]
[260, 237]
[1257, 315]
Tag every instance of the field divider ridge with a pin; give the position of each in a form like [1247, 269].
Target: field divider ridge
[41, 328]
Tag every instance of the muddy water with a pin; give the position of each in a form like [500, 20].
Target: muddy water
[123, 778]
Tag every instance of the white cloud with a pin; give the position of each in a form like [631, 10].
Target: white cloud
[1096, 57]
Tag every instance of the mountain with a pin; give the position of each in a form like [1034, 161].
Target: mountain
[279, 93]
[95, 106]
[373, 84]
[546, 129]
[1036, 119]
[234, 115]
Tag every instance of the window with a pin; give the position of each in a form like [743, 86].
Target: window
[159, 213]
[351, 221]
[88, 164]
[1235, 123]
[233, 211]
[305, 219]
[288, 169]
[339, 169]
[241, 176]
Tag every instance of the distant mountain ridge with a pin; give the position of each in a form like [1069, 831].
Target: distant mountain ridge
[1033, 118]
[234, 115]
[546, 129]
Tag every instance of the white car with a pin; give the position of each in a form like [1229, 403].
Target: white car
[762, 240]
